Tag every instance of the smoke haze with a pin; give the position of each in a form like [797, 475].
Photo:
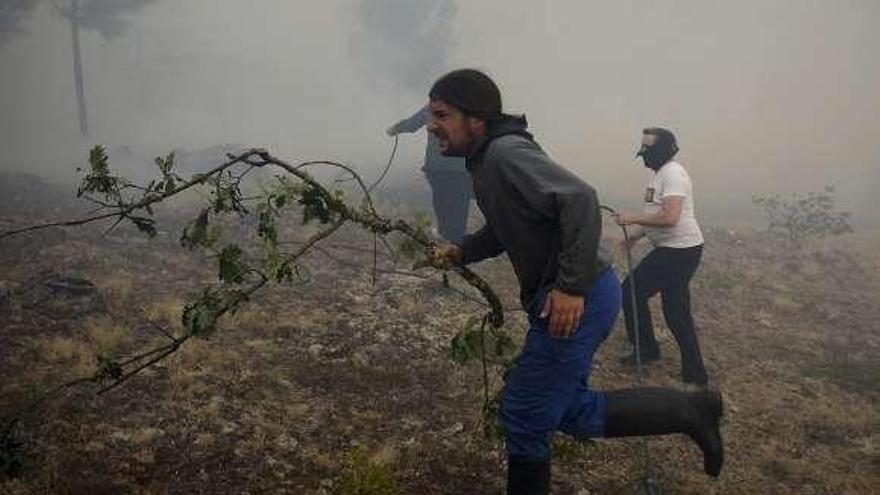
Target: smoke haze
[764, 96]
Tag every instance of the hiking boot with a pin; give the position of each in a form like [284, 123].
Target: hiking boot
[660, 411]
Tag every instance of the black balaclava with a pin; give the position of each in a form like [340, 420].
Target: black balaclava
[663, 150]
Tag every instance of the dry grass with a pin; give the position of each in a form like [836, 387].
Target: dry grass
[68, 353]
[285, 388]
[118, 290]
[105, 335]
[167, 312]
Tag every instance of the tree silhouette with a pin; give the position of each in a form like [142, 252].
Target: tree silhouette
[107, 17]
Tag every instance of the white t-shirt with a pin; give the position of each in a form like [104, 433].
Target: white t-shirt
[673, 180]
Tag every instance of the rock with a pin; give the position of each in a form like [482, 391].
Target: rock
[70, 286]
[453, 430]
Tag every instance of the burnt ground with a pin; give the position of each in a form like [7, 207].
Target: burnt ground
[283, 396]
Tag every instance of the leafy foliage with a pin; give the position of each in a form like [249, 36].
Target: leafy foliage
[493, 348]
[196, 232]
[98, 179]
[567, 449]
[200, 316]
[169, 179]
[108, 369]
[241, 272]
[320, 204]
[232, 266]
[409, 247]
[468, 343]
[804, 216]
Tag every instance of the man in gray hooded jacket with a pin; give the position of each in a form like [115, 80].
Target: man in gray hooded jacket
[548, 222]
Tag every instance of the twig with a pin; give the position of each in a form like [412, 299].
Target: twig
[171, 349]
[159, 328]
[154, 198]
[387, 166]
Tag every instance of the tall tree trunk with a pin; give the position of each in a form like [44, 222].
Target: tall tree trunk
[77, 70]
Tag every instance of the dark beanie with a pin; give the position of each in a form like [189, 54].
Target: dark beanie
[470, 91]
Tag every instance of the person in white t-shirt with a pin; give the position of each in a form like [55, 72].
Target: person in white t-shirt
[669, 223]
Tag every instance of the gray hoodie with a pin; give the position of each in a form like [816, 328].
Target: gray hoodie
[544, 217]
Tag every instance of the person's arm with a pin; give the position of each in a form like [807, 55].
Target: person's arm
[411, 124]
[473, 248]
[479, 246]
[667, 216]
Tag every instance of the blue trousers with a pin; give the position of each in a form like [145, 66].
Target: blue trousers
[547, 389]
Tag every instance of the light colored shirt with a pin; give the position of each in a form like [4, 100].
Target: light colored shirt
[673, 180]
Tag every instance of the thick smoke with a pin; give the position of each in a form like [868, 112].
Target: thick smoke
[108, 17]
[12, 14]
[403, 45]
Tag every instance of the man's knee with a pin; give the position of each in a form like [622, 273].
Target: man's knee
[528, 419]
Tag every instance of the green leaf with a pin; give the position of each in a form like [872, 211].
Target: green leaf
[284, 273]
[98, 161]
[468, 343]
[146, 225]
[320, 205]
[232, 268]
[410, 248]
[199, 317]
[196, 233]
[504, 347]
[266, 228]
[108, 368]
[99, 180]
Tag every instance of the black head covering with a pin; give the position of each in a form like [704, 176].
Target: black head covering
[663, 150]
[472, 92]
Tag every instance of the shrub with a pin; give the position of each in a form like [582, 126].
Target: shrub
[801, 217]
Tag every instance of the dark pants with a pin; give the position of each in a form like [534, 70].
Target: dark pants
[667, 271]
[451, 194]
[548, 389]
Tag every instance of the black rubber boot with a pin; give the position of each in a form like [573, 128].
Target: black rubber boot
[528, 476]
[647, 411]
